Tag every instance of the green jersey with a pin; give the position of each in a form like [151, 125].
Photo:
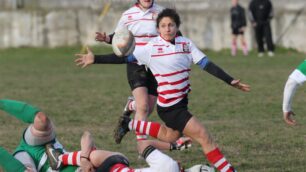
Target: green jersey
[40, 158]
[302, 67]
[299, 74]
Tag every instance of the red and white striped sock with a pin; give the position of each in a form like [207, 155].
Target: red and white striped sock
[132, 105]
[218, 160]
[145, 127]
[72, 158]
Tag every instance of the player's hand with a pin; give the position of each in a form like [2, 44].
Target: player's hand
[288, 118]
[181, 144]
[237, 84]
[242, 29]
[84, 60]
[254, 24]
[86, 165]
[102, 37]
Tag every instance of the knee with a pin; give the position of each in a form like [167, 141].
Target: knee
[41, 121]
[142, 107]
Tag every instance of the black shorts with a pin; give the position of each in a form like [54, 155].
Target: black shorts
[236, 31]
[139, 76]
[176, 116]
[111, 161]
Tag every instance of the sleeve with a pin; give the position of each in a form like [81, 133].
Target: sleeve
[109, 59]
[9, 163]
[195, 53]
[289, 91]
[120, 24]
[143, 54]
[215, 70]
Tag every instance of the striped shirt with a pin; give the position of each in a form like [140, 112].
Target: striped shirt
[170, 64]
[141, 23]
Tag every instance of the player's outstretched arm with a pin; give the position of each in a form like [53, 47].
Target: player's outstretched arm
[289, 91]
[218, 72]
[84, 60]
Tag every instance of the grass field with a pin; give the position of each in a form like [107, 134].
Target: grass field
[247, 126]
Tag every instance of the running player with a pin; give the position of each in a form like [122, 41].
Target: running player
[169, 57]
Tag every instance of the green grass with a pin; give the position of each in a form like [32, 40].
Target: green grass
[248, 127]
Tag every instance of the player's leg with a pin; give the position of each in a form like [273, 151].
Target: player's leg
[259, 39]
[268, 37]
[234, 44]
[40, 131]
[137, 77]
[244, 44]
[199, 133]
[20, 110]
[152, 129]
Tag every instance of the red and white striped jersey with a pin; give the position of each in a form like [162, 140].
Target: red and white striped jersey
[141, 23]
[170, 64]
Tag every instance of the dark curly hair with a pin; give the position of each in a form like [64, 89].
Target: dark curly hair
[171, 13]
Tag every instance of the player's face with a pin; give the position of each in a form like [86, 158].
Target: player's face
[145, 4]
[167, 28]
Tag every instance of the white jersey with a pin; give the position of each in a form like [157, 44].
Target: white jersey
[170, 64]
[141, 23]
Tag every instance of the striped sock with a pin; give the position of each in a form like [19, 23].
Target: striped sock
[218, 160]
[71, 158]
[145, 127]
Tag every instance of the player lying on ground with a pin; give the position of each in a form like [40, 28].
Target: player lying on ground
[30, 154]
[295, 79]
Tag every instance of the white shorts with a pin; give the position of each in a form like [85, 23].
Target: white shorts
[159, 161]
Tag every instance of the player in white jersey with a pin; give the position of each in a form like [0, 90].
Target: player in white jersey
[141, 21]
[295, 79]
[169, 57]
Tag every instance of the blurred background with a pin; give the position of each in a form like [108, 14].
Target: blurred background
[53, 23]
